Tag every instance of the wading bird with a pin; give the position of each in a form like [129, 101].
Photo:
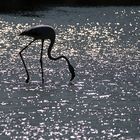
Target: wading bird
[42, 32]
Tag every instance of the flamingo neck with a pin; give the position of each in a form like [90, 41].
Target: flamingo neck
[71, 69]
[55, 58]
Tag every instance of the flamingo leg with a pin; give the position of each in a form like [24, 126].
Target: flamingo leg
[20, 53]
[41, 63]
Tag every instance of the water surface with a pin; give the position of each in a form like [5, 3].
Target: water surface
[103, 101]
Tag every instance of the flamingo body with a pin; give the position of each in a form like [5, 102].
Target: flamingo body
[40, 32]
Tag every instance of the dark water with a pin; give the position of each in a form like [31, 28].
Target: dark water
[103, 44]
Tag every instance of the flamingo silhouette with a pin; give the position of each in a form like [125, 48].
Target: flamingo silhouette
[43, 32]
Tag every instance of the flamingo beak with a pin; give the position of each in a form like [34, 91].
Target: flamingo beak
[72, 71]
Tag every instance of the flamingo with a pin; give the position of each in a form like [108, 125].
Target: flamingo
[42, 32]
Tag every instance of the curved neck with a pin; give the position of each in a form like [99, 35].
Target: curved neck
[71, 69]
[55, 58]
[50, 49]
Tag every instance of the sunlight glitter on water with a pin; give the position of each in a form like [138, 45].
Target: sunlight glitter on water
[103, 100]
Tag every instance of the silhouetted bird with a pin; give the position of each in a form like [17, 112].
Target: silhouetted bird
[44, 32]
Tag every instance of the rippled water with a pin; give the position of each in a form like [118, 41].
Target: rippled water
[103, 44]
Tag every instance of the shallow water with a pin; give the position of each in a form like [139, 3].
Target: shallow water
[103, 102]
